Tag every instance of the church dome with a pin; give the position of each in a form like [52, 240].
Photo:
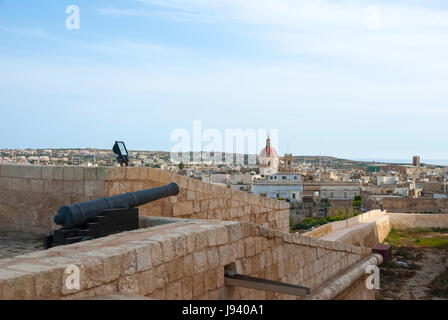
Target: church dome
[268, 151]
[268, 160]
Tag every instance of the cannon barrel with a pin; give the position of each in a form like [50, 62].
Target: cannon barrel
[78, 214]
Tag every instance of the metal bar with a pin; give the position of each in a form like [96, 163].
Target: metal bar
[239, 280]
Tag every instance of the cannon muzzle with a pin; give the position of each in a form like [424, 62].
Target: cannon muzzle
[80, 213]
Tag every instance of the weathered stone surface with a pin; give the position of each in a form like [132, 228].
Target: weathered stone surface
[181, 245]
[161, 276]
[128, 262]
[175, 269]
[222, 236]
[198, 284]
[168, 249]
[147, 282]
[174, 291]
[14, 244]
[224, 255]
[143, 255]
[188, 265]
[210, 280]
[187, 288]
[132, 173]
[200, 261]
[129, 284]
[213, 258]
[156, 253]
[249, 247]
[17, 285]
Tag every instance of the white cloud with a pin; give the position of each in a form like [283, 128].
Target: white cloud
[115, 12]
[412, 39]
[318, 66]
[372, 21]
[410, 35]
[131, 48]
[29, 32]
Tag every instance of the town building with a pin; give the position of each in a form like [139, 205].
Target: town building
[287, 186]
[416, 161]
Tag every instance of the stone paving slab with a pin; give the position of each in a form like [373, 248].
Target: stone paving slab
[337, 235]
[17, 243]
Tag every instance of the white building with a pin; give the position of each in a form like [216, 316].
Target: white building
[386, 180]
[340, 191]
[273, 184]
[286, 186]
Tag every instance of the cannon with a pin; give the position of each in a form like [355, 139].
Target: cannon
[78, 214]
[101, 217]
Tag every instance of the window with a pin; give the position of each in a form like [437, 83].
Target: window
[345, 195]
[293, 195]
[332, 195]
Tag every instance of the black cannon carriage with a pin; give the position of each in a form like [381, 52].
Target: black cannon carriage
[101, 217]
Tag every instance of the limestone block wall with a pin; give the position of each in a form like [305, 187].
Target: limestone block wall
[365, 235]
[339, 225]
[351, 284]
[365, 230]
[320, 231]
[357, 291]
[31, 195]
[413, 221]
[374, 226]
[182, 260]
[341, 204]
[197, 199]
[376, 231]
[410, 205]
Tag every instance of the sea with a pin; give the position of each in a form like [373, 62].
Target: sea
[406, 161]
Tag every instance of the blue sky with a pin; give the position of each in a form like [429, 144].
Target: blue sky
[138, 69]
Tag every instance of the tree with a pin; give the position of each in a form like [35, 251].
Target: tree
[357, 203]
[181, 166]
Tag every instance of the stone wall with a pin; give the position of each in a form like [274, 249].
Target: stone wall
[197, 199]
[373, 227]
[339, 225]
[409, 205]
[180, 260]
[357, 291]
[351, 284]
[365, 230]
[413, 221]
[366, 234]
[31, 195]
[346, 205]
[416, 205]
